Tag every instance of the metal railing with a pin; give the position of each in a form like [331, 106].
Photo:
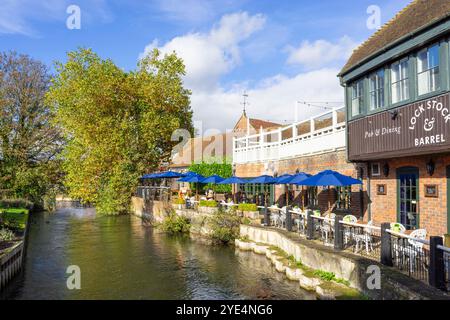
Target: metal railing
[322, 133]
[446, 263]
[410, 255]
[362, 239]
[153, 193]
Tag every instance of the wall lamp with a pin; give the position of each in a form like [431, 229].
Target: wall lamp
[430, 167]
[394, 114]
[386, 169]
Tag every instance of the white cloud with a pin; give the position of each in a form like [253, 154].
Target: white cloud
[273, 99]
[321, 52]
[208, 56]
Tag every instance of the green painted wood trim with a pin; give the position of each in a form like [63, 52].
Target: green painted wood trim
[408, 170]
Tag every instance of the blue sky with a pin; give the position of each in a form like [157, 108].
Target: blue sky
[279, 51]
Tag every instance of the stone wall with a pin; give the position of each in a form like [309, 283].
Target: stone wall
[394, 285]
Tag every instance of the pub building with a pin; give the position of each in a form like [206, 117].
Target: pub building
[398, 117]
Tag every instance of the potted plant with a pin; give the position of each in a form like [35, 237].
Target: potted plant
[249, 210]
[179, 203]
[208, 206]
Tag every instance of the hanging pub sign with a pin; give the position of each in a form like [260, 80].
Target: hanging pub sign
[419, 128]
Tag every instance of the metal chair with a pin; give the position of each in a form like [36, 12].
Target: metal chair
[414, 249]
[347, 231]
[365, 237]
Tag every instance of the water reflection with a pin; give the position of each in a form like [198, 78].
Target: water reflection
[122, 259]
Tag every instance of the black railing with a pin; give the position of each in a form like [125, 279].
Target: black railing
[410, 256]
[446, 263]
[361, 239]
[153, 193]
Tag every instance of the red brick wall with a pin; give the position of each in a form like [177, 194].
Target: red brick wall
[433, 211]
[312, 165]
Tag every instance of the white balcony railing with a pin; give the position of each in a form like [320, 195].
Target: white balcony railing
[323, 133]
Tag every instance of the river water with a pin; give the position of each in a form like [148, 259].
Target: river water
[119, 258]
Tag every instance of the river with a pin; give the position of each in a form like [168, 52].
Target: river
[119, 258]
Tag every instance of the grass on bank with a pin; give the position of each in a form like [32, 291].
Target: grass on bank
[14, 218]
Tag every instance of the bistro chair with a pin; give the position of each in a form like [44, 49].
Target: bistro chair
[414, 249]
[327, 226]
[348, 230]
[397, 227]
[364, 238]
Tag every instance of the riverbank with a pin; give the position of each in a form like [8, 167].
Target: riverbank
[319, 262]
[15, 222]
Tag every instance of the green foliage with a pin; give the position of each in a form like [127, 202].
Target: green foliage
[247, 207]
[118, 125]
[324, 275]
[16, 203]
[246, 221]
[179, 201]
[176, 224]
[6, 235]
[225, 226]
[29, 142]
[222, 169]
[14, 218]
[208, 203]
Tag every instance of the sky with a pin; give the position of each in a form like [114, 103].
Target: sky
[279, 52]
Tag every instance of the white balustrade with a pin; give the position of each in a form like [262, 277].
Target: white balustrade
[315, 141]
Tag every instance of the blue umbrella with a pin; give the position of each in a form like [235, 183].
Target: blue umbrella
[214, 179]
[284, 179]
[299, 177]
[263, 180]
[169, 175]
[233, 180]
[194, 178]
[329, 178]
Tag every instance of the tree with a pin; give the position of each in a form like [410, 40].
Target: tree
[118, 125]
[29, 142]
[206, 169]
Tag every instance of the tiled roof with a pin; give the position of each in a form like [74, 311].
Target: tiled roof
[417, 14]
[257, 123]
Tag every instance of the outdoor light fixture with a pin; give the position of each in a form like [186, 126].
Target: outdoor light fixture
[430, 167]
[394, 114]
[386, 169]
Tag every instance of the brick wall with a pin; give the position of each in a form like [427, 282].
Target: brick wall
[311, 164]
[432, 211]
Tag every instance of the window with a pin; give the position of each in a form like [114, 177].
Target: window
[376, 81]
[428, 70]
[375, 169]
[400, 81]
[343, 197]
[357, 97]
[313, 199]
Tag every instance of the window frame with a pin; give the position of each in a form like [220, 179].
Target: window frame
[407, 79]
[380, 92]
[360, 97]
[438, 67]
[344, 198]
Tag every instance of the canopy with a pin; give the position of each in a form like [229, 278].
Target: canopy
[284, 179]
[163, 175]
[329, 178]
[214, 179]
[197, 178]
[299, 178]
[233, 180]
[263, 180]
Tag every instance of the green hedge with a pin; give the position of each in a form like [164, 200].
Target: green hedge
[208, 203]
[247, 207]
[14, 218]
[223, 170]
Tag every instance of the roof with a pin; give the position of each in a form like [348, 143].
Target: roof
[417, 15]
[257, 123]
[203, 148]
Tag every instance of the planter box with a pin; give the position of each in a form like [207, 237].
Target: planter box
[208, 210]
[251, 214]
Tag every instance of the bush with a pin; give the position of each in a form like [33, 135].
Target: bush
[16, 203]
[208, 203]
[6, 235]
[225, 226]
[176, 224]
[247, 207]
[14, 218]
